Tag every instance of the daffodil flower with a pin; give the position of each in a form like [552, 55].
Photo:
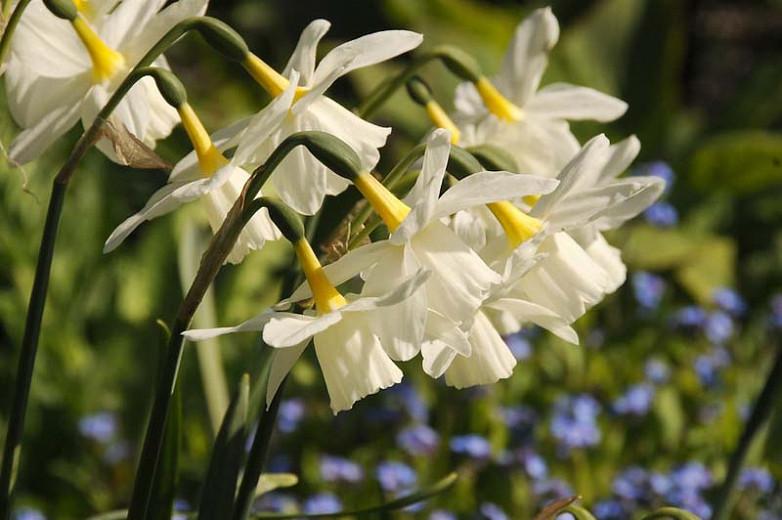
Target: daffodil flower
[301, 181]
[214, 180]
[513, 113]
[61, 71]
[344, 331]
[460, 279]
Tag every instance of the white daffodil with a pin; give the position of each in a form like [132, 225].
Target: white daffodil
[530, 123]
[301, 181]
[59, 71]
[460, 279]
[213, 179]
[577, 267]
[349, 350]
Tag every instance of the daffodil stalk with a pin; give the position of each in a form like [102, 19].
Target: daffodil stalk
[12, 20]
[221, 37]
[333, 153]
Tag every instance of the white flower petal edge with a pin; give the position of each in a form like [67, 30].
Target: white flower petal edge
[564, 101]
[304, 55]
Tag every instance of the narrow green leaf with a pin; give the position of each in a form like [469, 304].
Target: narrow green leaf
[554, 508]
[161, 502]
[399, 503]
[271, 481]
[119, 514]
[673, 513]
[217, 495]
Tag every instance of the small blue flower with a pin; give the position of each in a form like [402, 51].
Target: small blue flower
[660, 483]
[396, 476]
[690, 317]
[574, 421]
[291, 412]
[519, 346]
[100, 427]
[552, 489]
[519, 416]
[692, 476]
[776, 311]
[631, 484]
[473, 446]
[28, 513]
[534, 464]
[441, 514]
[756, 478]
[718, 327]
[729, 301]
[661, 214]
[280, 463]
[276, 502]
[116, 452]
[708, 365]
[648, 289]
[657, 371]
[609, 510]
[418, 440]
[657, 169]
[339, 469]
[407, 395]
[322, 503]
[636, 401]
[492, 511]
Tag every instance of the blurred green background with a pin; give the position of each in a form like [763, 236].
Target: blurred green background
[704, 84]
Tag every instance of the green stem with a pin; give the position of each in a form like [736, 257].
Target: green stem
[760, 415]
[455, 60]
[10, 28]
[13, 441]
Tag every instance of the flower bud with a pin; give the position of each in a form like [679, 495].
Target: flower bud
[65, 9]
[168, 84]
[329, 150]
[286, 220]
[419, 91]
[459, 63]
[223, 38]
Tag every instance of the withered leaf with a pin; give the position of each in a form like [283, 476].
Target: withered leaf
[130, 150]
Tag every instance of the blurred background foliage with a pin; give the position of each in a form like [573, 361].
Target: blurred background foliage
[645, 412]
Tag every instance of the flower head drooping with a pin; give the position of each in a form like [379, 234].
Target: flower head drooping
[349, 351]
[301, 181]
[64, 67]
[513, 113]
[213, 179]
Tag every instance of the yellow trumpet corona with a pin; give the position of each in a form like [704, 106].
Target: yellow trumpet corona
[327, 297]
[440, 119]
[210, 159]
[392, 210]
[106, 62]
[519, 227]
[272, 81]
[497, 104]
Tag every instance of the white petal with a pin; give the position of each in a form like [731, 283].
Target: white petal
[264, 123]
[485, 187]
[405, 289]
[527, 55]
[282, 363]
[33, 141]
[460, 278]
[400, 327]
[252, 325]
[644, 192]
[148, 34]
[354, 364]
[620, 156]
[582, 170]
[48, 45]
[286, 329]
[165, 200]
[423, 197]
[526, 311]
[609, 258]
[127, 20]
[31, 97]
[490, 361]
[437, 357]
[362, 52]
[564, 101]
[443, 331]
[300, 180]
[305, 54]
[347, 267]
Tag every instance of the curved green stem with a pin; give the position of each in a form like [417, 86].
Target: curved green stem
[10, 28]
[454, 59]
[761, 412]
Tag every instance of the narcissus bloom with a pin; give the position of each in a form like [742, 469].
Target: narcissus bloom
[349, 350]
[213, 179]
[301, 181]
[530, 123]
[61, 71]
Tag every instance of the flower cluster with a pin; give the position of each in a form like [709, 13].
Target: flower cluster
[502, 227]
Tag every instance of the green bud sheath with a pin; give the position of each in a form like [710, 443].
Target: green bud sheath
[419, 91]
[65, 9]
[223, 38]
[287, 221]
